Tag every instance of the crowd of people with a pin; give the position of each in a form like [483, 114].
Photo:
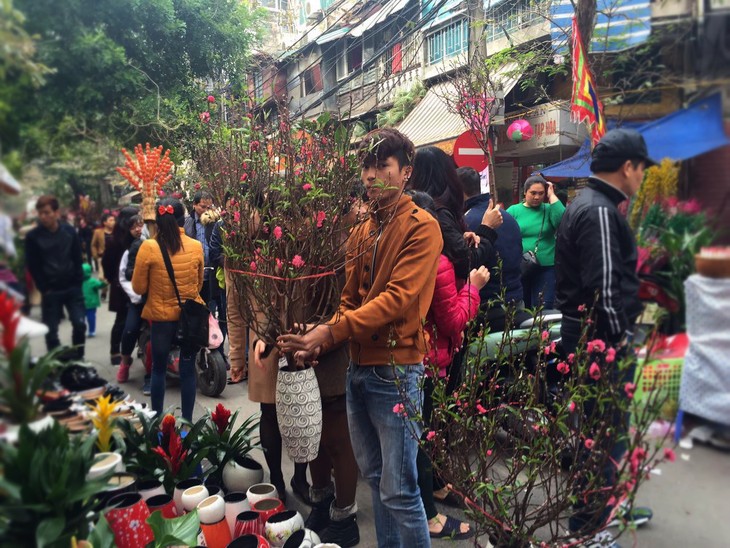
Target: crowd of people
[446, 256]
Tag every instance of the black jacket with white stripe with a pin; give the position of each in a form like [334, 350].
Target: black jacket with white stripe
[595, 253]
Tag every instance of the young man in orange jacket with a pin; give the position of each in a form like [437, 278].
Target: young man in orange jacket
[390, 275]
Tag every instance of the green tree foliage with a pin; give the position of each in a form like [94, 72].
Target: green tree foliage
[124, 71]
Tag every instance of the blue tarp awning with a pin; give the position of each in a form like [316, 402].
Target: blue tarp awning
[679, 136]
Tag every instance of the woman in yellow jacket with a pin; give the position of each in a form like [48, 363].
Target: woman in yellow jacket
[161, 309]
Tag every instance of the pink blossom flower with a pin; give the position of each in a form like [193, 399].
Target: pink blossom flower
[277, 232]
[224, 212]
[244, 165]
[638, 455]
[581, 308]
[596, 345]
[563, 368]
[398, 409]
[610, 355]
[669, 454]
[321, 216]
[489, 452]
[279, 264]
[255, 145]
[545, 335]
[232, 234]
[594, 371]
[177, 195]
[690, 207]
[253, 266]
[244, 176]
[571, 406]
[211, 99]
[550, 349]
[236, 217]
[431, 435]
[196, 186]
[342, 161]
[481, 409]
[297, 261]
[161, 193]
[298, 171]
[204, 117]
[571, 357]
[306, 187]
[629, 388]
[589, 443]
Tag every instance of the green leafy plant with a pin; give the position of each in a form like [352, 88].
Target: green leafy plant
[20, 378]
[179, 531]
[163, 449]
[225, 440]
[45, 496]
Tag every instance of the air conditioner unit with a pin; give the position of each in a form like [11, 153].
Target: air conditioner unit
[313, 9]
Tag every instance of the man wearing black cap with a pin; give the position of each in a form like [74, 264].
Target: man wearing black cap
[595, 257]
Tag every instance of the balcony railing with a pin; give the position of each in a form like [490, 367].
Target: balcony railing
[512, 17]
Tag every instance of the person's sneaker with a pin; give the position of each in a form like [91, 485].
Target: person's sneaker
[147, 386]
[602, 539]
[123, 373]
[91, 335]
[343, 532]
[636, 517]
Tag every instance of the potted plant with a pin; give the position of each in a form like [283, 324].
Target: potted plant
[45, 495]
[229, 445]
[21, 379]
[162, 449]
[286, 187]
[521, 448]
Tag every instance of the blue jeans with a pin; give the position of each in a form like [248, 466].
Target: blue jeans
[542, 282]
[132, 325]
[91, 320]
[161, 339]
[52, 305]
[387, 446]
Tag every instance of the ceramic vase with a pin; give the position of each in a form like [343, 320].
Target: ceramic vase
[239, 474]
[127, 516]
[299, 412]
[279, 527]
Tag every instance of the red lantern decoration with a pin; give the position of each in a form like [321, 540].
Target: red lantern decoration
[520, 130]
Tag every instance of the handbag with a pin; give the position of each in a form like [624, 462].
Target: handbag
[192, 328]
[530, 265]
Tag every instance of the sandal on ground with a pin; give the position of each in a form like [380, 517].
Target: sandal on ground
[452, 530]
[453, 500]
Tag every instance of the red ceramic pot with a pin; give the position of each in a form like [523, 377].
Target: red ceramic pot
[266, 508]
[249, 541]
[247, 523]
[127, 516]
[163, 503]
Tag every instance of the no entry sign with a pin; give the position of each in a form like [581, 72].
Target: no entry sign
[468, 152]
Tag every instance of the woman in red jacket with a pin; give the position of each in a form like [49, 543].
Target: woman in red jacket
[454, 304]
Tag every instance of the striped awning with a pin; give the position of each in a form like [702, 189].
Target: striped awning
[389, 9]
[432, 120]
[620, 24]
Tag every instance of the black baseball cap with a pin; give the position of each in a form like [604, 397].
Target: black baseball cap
[620, 145]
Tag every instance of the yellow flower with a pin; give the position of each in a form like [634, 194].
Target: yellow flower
[103, 418]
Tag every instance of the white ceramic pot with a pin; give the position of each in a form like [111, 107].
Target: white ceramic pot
[150, 488]
[105, 463]
[304, 538]
[192, 496]
[236, 502]
[261, 491]
[211, 509]
[178, 492]
[327, 545]
[240, 474]
[299, 412]
[279, 527]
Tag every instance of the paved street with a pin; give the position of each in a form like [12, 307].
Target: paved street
[689, 498]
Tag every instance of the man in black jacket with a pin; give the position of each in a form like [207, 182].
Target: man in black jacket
[595, 258]
[54, 259]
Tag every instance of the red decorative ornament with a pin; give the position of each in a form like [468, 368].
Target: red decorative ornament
[520, 130]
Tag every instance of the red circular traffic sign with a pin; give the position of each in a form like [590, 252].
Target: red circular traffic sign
[468, 152]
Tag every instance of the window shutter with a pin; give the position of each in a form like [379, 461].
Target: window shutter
[397, 61]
